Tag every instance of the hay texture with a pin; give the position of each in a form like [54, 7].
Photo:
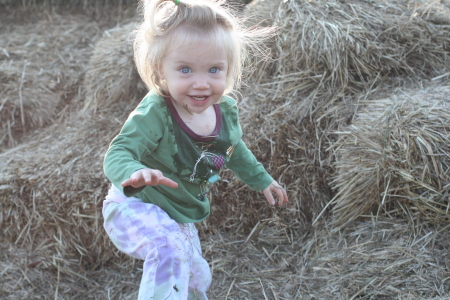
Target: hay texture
[395, 159]
[111, 75]
[379, 260]
[41, 66]
[51, 193]
[326, 58]
[326, 51]
[331, 49]
[51, 187]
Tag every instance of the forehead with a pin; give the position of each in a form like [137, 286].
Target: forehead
[199, 52]
[186, 38]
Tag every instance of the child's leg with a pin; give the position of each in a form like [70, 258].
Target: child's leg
[173, 265]
[200, 273]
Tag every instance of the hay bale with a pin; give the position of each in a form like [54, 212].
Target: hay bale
[51, 193]
[327, 56]
[394, 159]
[334, 49]
[41, 66]
[437, 12]
[370, 260]
[376, 260]
[111, 75]
[52, 187]
[108, 5]
[103, 4]
[261, 12]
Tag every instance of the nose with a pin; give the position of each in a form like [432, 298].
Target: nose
[200, 82]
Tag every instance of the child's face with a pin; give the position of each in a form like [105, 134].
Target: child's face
[196, 75]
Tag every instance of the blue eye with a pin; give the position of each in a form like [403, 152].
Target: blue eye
[214, 70]
[185, 70]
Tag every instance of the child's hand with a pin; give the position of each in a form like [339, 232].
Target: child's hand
[274, 187]
[148, 177]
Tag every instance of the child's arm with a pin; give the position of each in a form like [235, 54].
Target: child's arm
[138, 138]
[147, 176]
[245, 166]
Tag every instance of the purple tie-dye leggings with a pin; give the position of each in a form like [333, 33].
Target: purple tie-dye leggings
[173, 264]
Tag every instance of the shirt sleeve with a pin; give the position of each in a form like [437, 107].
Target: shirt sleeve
[245, 166]
[138, 137]
[242, 161]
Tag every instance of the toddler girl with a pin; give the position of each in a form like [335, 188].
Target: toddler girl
[173, 145]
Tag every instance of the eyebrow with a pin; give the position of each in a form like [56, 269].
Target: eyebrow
[218, 63]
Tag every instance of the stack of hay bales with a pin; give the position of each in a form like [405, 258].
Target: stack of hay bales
[51, 192]
[40, 67]
[296, 102]
[52, 187]
[327, 57]
[394, 159]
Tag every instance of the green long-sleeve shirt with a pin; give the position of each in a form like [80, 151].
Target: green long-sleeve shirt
[154, 136]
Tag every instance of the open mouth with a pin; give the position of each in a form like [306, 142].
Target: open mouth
[199, 99]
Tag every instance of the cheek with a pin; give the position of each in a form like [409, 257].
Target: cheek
[221, 84]
[177, 86]
[177, 83]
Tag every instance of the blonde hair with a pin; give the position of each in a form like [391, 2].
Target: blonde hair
[168, 26]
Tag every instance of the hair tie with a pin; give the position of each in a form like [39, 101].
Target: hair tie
[176, 2]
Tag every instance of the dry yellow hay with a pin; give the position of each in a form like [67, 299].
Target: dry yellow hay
[51, 188]
[52, 185]
[349, 46]
[371, 260]
[394, 159]
[328, 56]
[379, 259]
[51, 193]
[111, 75]
[104, 9]
[437, 12]
[41, 65]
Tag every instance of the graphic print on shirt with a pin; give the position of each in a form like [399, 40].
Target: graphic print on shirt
[217, 160]
[198, 159]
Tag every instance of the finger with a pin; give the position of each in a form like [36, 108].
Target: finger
[137, 181]
[158, 178]
[131, 182]
[168, 182]
[286, 199]
[126, 182]
[149, 178]
[269, 197]
[281, 194]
